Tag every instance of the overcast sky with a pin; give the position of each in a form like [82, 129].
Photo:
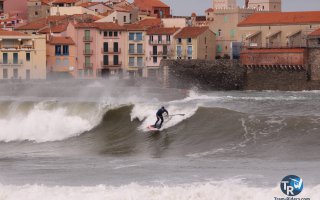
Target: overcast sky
[186, 7]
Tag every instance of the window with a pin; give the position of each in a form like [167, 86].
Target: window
[179, 51]
[110, 33]
[232, 33]
[131, 36]
[125, 19]
[105, 47]
[28, 56]
[58, 50]
[189, 40]
[5, 73]
[5, 58]
[262, 7]
[155, 59]
[179, 40]
[116, 59]
[36, 13]
[151, 38]
[15, 58]
[57, 61]
[160, 39]
[105, 60]
[105, 34]
[115, 47]
[139, 48]
[131, 48]
[219, 48]
[168, 38]
[219, 32]
[15, 73]
[139, 36]
[65, 50]
[140, 61]
[66, 62]
[87, 35]
[165, 50]
[131, 61]
[115, 34]
[189, 50]
[318, 40]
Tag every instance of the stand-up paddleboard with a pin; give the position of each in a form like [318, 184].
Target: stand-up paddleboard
[152, 128]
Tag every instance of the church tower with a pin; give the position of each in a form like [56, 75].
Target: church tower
[265, 5]
[224, 4]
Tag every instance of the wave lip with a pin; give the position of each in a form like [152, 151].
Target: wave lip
[46, 122]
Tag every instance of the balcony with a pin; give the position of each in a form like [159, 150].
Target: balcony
[87, 52]
[110, 51]
[136, 65]
[87, 39]
[16, 47]
[87, 65]
[159, 42]
[159, 53]
[109, 65]
[12, 63]
[136, 52]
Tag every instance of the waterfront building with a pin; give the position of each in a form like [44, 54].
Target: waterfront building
[99, 49]
[135, 40]
[159, 43]
[22, 56]
[195, 43]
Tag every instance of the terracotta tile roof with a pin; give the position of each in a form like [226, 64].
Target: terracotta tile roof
[101, 26]
[56, 29]
[149, 4]
[65, 1]
[61, 40]
[11, 33]
[315, 33]
[282, 50]
[191, 32]
[162, 31]
[89, 4]
[41, 23]
[280, 18]
[144, 24]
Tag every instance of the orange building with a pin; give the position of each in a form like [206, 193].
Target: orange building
[154, 8]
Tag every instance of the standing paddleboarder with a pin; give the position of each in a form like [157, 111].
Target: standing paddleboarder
[160, 117]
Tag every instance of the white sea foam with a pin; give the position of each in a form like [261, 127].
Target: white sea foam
[45, 123]
[227, 190]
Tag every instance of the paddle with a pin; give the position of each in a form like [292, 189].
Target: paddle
[177, 115]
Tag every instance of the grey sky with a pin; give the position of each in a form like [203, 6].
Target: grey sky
[186, 7]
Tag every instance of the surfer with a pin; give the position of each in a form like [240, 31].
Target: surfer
[160, 117]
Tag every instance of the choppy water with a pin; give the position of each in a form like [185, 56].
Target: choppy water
[229, 145]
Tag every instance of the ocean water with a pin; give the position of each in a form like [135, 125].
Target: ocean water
[90, 141]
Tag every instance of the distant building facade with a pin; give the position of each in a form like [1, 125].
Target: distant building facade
[22, 56]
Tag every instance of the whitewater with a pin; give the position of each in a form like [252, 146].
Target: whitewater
[91, 141]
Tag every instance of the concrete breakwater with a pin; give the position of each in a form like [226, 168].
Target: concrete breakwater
[231, 75]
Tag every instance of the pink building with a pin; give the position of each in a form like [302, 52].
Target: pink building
[16, 7]
[159, 45]
[99, 49]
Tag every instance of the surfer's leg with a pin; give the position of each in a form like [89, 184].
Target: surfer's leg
[155, 125]
[161, 121]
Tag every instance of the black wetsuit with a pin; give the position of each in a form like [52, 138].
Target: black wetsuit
[160, 117]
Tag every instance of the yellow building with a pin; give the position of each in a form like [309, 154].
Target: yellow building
[22, 56]
[195, 43]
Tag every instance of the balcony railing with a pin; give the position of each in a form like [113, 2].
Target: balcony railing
[87, 39]
[159, 53]
[136, 64]
[87, 52]
[106, 65]
[87, 65]
[136, 52]
[16, 47]
[12, 63]
[164, 42]
[110, 51]
[62, 54]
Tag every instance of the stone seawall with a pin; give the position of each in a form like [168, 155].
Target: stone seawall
[230, 75]
[208, 75]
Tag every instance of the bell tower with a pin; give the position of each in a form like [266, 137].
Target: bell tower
[224, 4]
[265, 5]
